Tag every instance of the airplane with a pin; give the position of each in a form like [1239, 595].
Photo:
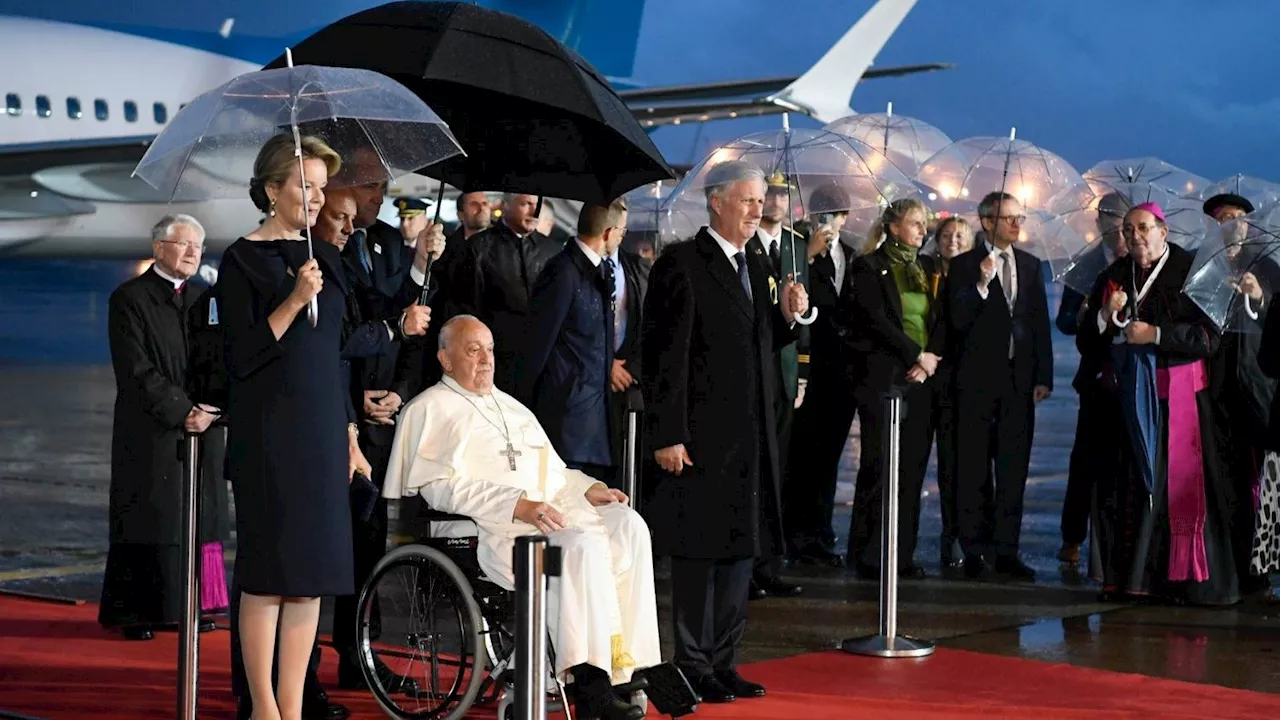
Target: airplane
[98, 81]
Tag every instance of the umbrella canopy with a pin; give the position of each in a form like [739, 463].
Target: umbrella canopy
[533, 116]
[906, 141]
[208, 149]
[962, 173]
[1112, 175]
[1246, 245]
[822, 172]
[1259, 192]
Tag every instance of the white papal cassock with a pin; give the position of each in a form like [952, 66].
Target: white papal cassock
[457, 448]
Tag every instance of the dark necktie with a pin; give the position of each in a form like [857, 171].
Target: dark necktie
[774, 257]
[741, 259]
[362, 250]
[606, 272]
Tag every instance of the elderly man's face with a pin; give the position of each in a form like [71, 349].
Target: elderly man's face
[1109, 231]
[179, 254]
[474, 211]
[519, 214]
[614, 235]
[365, 176]
[737, 209]
[337, 219]
[1233, 233]
[1145, 235]
[468, 356]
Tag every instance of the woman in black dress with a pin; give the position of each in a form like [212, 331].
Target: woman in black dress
[290, 450]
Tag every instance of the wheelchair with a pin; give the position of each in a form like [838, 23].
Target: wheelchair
[437, 638]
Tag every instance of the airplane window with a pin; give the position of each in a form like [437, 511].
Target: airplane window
[161, 113]
[13, 104]
[73, 108]
[43, 108]
[130, 111]
[100, 109]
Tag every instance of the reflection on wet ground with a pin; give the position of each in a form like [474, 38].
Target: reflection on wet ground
[55, 432]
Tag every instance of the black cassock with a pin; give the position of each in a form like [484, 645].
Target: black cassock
[1133, 527]
[148, 333]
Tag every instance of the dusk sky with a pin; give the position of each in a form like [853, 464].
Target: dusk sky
[1188, 81]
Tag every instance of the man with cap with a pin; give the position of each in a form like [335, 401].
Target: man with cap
[1243, 394]
[413, 218]
[823, 419]
[710, 329]
[783, 248]
[1094, 449]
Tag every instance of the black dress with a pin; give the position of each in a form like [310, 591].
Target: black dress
[287, 449]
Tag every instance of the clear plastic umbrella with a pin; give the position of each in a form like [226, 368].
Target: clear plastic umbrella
[1246, 245]
[962, 173]
[1259, 192]
[1113, 175]
[906, 141]
[209, 148]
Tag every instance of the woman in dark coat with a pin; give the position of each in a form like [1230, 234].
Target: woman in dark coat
[290, 449]
[895, 335]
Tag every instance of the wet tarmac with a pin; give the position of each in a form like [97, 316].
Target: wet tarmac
[56, 395]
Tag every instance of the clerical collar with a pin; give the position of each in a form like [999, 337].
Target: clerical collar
[177, 282]
[592, 255]
[727, 247]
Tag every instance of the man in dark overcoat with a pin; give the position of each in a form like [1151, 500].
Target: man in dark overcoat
[710, 331]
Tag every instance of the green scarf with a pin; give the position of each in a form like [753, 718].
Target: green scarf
[899, 253]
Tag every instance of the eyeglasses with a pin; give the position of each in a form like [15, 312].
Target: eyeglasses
[1012, 219]
[1143, 229]
[184, 245]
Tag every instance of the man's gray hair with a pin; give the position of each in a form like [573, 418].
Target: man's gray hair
[163, 229]
[720, 177]
[446, 330]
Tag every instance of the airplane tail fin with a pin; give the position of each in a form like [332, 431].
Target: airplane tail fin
[825, 91]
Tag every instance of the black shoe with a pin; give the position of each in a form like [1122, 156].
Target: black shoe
[1013, 568]
[712, 691]
[137, 632]
[774, 586]
[351, 677]
[974, 566]
[317, 707]
[755, 592]
[207, 626]
[816, 554]
[911, 572]
[740, 686]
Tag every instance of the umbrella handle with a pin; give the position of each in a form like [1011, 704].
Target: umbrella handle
[1248, 309]
[807, 319]
[1115, 318]
[313, 311]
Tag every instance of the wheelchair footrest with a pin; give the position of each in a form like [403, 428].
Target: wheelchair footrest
[668, 690]
[636, 685]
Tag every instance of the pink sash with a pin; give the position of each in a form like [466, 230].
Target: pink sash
[1185, 485]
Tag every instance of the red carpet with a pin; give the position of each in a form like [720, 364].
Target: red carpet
[55, 662]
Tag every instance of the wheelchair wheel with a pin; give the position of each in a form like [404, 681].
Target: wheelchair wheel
[420, 636]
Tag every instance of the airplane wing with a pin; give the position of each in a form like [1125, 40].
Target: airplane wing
[675, 104]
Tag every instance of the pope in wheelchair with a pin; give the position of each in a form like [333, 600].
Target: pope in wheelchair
[470, 449]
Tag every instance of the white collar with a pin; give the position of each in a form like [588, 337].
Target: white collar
[177, 282]
[592, 255]
[768, 239]
[465, 392]
[727, 247]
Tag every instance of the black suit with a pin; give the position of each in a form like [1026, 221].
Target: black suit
[823, 420]
[994, 404]
[635, 272]
[883, 353]
[709, 384]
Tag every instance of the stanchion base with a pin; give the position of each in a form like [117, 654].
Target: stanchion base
[900, 646]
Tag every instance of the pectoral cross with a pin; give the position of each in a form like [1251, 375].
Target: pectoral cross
[512, 453]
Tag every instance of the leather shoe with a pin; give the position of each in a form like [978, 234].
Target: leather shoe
[712, 691]
[755, 592]
[137, 632]
[974, 566]
[351, 677]
[816, 554]
[1014, 568]
[911, 572]
[318, 707]
[740, 686]
[771, 585]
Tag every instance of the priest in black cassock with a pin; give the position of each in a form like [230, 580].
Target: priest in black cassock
[1164, 525]
[143, 584]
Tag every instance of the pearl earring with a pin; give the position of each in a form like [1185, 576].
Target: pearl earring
[273, 208]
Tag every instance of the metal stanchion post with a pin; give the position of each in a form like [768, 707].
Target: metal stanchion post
[888, 643]
[535, 561]
[189, 637]
[635, 406]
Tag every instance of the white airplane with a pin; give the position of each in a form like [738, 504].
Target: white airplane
[81, 102]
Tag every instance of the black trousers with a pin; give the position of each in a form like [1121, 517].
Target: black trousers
[915, 442]
[944, 428]
[1089, 448]
[709, 609]
[369, 542]
[784, 410]
[996, 423]
[820, 431]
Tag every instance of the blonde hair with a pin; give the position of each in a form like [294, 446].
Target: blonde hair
[894, 212]
[953, 220]
[276, 161]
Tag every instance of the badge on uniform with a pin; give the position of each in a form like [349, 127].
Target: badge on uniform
[773, 290]
[213, 311]
[377, 248]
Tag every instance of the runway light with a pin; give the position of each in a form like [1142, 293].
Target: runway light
[947, 190]
[1024, 194]
[35, 193]
[733, 115]
[933, 196]
[964, 192]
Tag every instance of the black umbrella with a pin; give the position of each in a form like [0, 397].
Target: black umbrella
[531, 114]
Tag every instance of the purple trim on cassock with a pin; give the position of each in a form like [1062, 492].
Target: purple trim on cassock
[213, 578]
[1178, 385]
